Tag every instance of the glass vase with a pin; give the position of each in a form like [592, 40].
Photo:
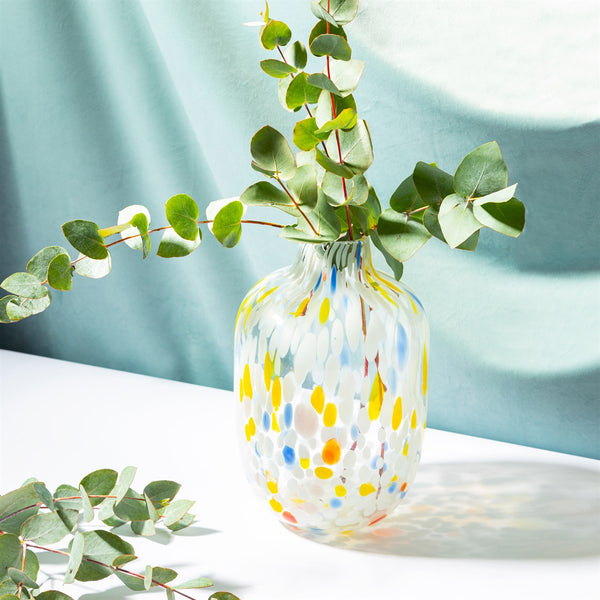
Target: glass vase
[331, 373]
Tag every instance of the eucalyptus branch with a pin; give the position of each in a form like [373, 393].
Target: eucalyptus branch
[90, 552]
[295, 203]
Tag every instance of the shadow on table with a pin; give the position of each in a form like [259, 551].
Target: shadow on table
[490, 510]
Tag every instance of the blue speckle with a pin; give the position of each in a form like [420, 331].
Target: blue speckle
[345, 356]
[415, 299]
[385, 446]
[358, 249]
[333, 278]
[401, 346]
[289, 455]
[266, 421]
[256, 449]
[335, 503]
[345, 300]
[318, 282]
[287, 415]
[354, 432]
[392, 487]
[374, 462]
[402, 495]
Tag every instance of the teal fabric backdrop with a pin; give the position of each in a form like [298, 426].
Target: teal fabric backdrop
[115, 102]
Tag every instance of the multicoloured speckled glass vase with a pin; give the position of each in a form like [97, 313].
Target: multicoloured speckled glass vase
[331, 371]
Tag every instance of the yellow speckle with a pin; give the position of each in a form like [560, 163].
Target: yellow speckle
[424, 423]
[317, 399]
[272, 485]
[414, 306]
[274, 423]
[268, 371]
[394, 478]
[366, 489]
[331, 452]
[324, 311]
[267, 293]
[413, 419]
[250, 429]
[275, 505]
[424, 386]
[397, 414]
[276, 393]
[405, 449]
[323, 472]
[301, 310]
[241, 390]
[330, 415]
[247, 381]
[376, 397]
[298, 501]
[340, 491]
[347, 532]
[305, 463]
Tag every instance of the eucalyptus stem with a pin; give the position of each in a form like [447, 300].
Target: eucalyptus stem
[296, 205]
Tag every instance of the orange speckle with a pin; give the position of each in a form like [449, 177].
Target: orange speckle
[331, 452]
[289, 517]
[403, 486]
[377, 520]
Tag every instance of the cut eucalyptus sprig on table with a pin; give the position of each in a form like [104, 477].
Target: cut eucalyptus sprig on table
[33, 520]
[322, 186]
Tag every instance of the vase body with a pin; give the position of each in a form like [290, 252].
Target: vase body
[331, 376]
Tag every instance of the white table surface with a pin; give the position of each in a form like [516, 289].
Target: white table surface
[483, 519]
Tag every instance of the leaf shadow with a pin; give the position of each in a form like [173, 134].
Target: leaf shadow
[489, 510]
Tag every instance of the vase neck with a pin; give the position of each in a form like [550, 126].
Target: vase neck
[349, 257]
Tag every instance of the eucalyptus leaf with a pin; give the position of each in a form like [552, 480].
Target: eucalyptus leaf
[500, 196]
[333, 166]
[144, 528]
[44, 495]
[223, 596]
[173, 246]
[60, 272]
[105, 547]
[20, 577]
[76, 556]
[140, 222]
[88, 512]
[303, 186]
[124, 481]
[53, 595]
[132, 507]
[346, 74]
[431, 183]
[401, 237]
[345, 120]
[282, 88]
[94, 269]
[17, 308]
[329, 44]
[17, 506]
[275, 33]
[395, 265]
[45, 528]
[271, 152]
[130, 234]
[227, 227]
[406, 198]
[182, 214]
[481, 172]
[457, 220]
[300, 92]
[356, 147]
[99, 483]
[277, 68]
[174, 511]
[322, 82]
[38, 265]
[25, 285]
[182, 523]
[507, 217]
[305, 136]
[194, 584]
[67, 491]
[296, 55]
[161, 492]
[324, 110]
[321, 27]
[85, 237]
[10, 552]
[264, 193]
[341, 11]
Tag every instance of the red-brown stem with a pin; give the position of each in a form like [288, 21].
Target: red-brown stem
[111, 567]
[337, 139]
[296, 205]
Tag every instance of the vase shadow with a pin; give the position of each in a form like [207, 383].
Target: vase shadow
[489, 510]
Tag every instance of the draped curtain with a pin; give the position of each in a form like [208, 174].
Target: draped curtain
[106, 103]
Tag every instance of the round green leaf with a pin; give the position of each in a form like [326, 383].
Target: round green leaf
[173, 246]
[296, 55]
[38, 265]
[275, 33]
[333, 166]
[346, 74]
[481, 172]
[264, 193]
[356, 147]
[226, 226]
[53, 595]
[503, 195]
[340, 12]
[99, 483]
[431, 183]
[84, 236]
[323, 112]
[182, 214]
[305, 136]
[345, 120]
[272, 153]
[406, 198]
[401, 237]
[10, 552]
[76, 548]
[303, 186]
[457, 220]
[322, 82]
[507, 218]
[321, 28]
[60, 272]
[131, 235]
[14, 308]
[25, 285]
[300, 92]
[94, 269]
[194, 584]
[329, 44]
[277, 68]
